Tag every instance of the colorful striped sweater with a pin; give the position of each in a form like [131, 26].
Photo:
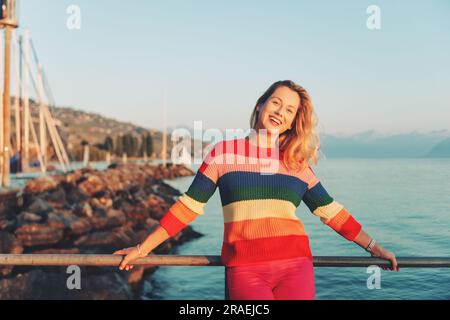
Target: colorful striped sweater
[259, 196]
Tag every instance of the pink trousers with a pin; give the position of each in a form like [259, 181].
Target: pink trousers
[287, 279]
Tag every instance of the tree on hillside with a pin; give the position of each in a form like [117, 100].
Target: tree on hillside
[119, 145]
[109, 144]
[146, 145]
[130, 145]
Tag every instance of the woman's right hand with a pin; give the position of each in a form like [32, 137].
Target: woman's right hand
[131, 254]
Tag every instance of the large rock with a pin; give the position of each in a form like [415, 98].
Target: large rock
[56, 197]
[79, 226]
[97, 204]
[41, 285]
[84, 209]
[97, 238]
[120, 237]
[74, 196]
[163, 189]
[28, 217]
[41, 185]
[139, 213]
[69, 222]
[107, 219]
[58, 220]
[39, 206]
[157, 206]
[93, 184]
[37, 235]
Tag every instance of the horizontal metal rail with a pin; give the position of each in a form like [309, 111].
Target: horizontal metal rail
[173, 260]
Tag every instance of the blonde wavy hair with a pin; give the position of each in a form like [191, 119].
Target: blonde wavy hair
[300, 144]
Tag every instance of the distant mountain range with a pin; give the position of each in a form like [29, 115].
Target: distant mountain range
[441, 150]
[76, 125]
[371, 144]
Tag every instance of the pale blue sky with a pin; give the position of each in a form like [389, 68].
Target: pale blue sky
[217, 57]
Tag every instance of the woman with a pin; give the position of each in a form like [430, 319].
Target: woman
[262, 180]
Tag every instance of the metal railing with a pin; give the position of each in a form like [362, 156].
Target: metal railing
[204, 260]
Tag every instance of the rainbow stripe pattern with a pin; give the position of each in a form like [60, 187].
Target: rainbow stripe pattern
[259, 196]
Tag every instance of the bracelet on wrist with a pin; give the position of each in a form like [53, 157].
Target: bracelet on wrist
[138, 247]
[371, 245]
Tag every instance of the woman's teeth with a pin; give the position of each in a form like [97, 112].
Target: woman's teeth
[274, 121]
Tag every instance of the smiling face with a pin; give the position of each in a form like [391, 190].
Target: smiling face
[279, 110]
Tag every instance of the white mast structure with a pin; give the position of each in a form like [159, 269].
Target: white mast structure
[164, 137]
[8, 21]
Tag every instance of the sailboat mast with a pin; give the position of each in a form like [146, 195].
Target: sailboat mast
[6, 110]
[164, 137]
[24, 43]
[8, 21]
[17, 113]
[2, 158]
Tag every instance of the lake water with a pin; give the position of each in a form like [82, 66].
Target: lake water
[403, 203]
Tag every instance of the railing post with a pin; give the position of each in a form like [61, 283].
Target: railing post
[227, 292]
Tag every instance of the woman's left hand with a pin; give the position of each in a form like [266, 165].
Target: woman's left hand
[387, 255]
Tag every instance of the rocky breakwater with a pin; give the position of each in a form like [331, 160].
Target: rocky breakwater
[88, 212]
